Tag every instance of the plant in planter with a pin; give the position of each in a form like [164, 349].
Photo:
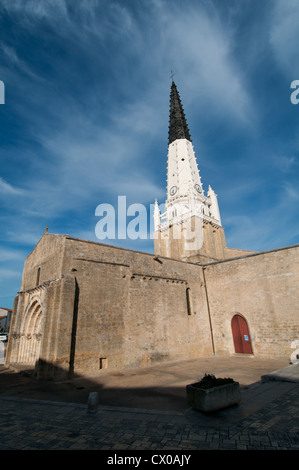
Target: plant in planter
[213, 394]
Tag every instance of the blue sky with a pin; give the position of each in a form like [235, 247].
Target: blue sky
[85, 118]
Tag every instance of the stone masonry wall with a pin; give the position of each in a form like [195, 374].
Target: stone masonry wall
[133, 309]
[264, 289]
[39, 302]
[44, 262]
[204, 242]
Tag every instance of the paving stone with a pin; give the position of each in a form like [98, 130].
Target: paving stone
[272, 423]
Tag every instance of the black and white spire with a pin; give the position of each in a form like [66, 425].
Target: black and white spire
[185, 195]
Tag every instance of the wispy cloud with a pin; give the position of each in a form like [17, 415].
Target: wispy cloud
[265, 228]
[291, 192]
[284, 36]
[195, 39]
[8, 273]
[13, 57]
[285, 162]
[10, 254]
[7, 188]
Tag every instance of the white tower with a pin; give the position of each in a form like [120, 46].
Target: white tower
[180, 229]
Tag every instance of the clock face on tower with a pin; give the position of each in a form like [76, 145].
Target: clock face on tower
[198, 188]
[173, 190]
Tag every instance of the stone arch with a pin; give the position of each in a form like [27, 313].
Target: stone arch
[31, 333]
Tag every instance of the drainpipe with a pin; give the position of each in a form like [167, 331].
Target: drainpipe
[209, 312]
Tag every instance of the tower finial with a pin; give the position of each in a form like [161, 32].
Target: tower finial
[171, 75]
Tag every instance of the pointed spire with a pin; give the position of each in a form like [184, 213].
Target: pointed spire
[178, 128]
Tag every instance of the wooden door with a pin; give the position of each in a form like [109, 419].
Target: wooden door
[241, 335]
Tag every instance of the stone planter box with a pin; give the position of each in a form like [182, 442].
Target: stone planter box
[215, 398]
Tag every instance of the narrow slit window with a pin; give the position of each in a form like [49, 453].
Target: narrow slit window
[103, 363]
[189, 301]
[38, 277]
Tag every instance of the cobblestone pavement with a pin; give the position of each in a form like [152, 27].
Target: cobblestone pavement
[47, 425]
[266, 419]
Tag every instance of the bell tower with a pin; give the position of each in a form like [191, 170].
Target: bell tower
[190, 228]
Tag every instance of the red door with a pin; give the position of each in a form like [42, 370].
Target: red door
[241, 336]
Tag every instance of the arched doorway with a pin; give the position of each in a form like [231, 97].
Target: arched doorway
[30, 334]
[241, 335]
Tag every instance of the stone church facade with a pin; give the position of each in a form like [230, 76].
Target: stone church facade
[85, 306]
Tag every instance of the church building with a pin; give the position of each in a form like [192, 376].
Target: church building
[85, 306]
